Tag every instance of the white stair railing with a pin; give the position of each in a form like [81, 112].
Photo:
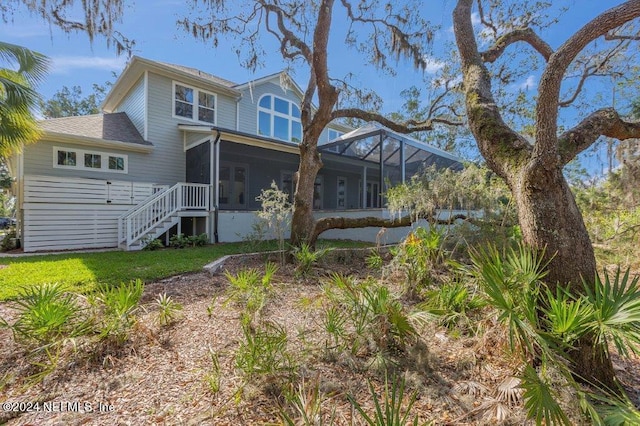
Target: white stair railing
[141, 220]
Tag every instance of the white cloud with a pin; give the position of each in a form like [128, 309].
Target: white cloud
[66, 64]
[433, 65]
[530, 83]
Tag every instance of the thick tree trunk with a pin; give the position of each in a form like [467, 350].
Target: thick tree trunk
[302, 220]
[551, 220]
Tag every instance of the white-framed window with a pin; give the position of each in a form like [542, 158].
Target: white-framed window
[83, 159]
[333, 134]
[279, 118]
[193, 104]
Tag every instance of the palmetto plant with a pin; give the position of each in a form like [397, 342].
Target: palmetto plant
[47, 314]
[168, 309]
[372, 313]
[547, 325]
[116, 308]
[306, 257]
[250, 288]
[388, 411]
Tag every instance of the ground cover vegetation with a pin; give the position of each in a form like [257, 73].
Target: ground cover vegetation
[442, 328]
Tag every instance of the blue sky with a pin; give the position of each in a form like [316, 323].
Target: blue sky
[153, 25]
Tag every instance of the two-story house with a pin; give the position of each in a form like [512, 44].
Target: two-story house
[180, 150]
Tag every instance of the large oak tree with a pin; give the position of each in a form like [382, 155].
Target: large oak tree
[533, 169]
[380, 32]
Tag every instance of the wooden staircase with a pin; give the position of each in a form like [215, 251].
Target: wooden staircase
[159, 213]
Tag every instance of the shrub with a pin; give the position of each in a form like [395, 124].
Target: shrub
[306, 257]
[168, 310]
[116, 308]
[47, 314]
[151, 244]
[263, 351]
[249, 288]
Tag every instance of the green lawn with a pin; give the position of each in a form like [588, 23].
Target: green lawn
[82, 271]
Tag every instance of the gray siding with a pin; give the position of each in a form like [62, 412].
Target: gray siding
[133, 105]
[167, 162]
[39, 157]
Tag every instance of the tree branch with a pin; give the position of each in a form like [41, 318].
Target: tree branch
[328, 223]
[604, 122]
[525, 34]
[546, 147]
[499, 144]
[407, 127]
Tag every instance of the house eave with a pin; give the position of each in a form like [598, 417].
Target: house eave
[243, 138]
[138, 66]
[95, 142]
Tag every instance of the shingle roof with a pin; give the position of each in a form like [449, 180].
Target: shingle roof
[114, 126]
[197, 73]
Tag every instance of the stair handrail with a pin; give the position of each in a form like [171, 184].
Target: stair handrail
[139, 221]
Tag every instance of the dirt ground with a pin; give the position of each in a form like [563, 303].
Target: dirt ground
[159, 377]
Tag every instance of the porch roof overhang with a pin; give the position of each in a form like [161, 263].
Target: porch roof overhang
[375, 143]
[242, 138]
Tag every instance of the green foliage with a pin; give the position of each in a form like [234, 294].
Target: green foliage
[473, 188]
[168, 309]
[263, 351]
[117, 306]
[548, 324]
[307, 404]
[71, 102]
[615, 311]
[374, 317]
[24, 69]
[48, 314]
[276, 212]
[182, 241]
[452, 304]
[213, 376]
[306, 257]
[8, 241]
[250, 288]
[418, 256]
[374, 260]
[511, 284]
[151, 244]
[389, 411]
[541, 400]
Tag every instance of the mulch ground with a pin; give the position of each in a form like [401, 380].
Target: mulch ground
[159, 377]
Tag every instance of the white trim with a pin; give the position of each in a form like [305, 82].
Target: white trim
[195, 105]
[196, 143]
[80, 153]
[94, 142]
[146, 105]
[273, 113]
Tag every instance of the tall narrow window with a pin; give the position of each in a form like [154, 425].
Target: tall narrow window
[279, 118]
[232, 189]
[183, 101]
[206, 105]
[342, 193]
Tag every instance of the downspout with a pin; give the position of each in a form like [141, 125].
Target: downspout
[216, 183]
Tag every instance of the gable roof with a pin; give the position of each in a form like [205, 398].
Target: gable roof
[115, 128]
[201, 74]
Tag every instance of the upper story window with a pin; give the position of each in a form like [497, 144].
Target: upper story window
[193, 104]
[333, 134]
[279, 118]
